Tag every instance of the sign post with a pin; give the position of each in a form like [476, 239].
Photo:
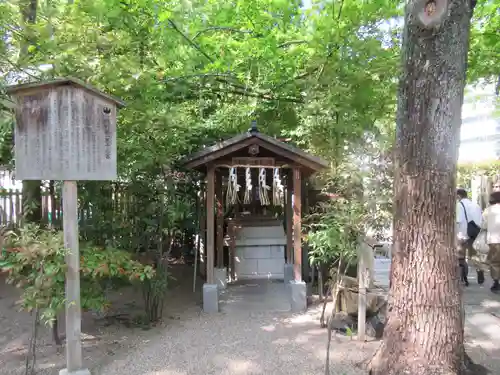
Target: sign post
[73, 308]
[66, 130]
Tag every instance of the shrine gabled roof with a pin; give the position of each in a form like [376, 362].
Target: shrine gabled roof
[225, 148]
[66, 81]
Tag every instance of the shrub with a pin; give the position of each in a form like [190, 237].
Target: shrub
[34, 260]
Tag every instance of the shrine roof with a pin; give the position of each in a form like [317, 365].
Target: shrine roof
[223, 149]
[66, 81]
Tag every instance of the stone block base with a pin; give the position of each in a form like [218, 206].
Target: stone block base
[298, 298]
[288, 273]
[220, 275]
[77, 372]
[210, 298]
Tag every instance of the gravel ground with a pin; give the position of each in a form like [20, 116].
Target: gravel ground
[242, 343]
[251, 335]
[104, 338]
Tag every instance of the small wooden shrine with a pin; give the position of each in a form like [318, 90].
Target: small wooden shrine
[253, 184]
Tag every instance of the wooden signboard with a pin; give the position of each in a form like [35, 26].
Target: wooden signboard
[66, 130]
[65, 133]
[253, 161]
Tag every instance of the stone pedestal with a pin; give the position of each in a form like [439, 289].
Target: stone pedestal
[298, 298]
[220, 276]
[210, 299]
[77, 372]
[288, 273]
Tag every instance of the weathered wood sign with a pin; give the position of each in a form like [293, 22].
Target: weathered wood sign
[253, 161]
[65, 132]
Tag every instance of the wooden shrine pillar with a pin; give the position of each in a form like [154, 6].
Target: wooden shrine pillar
[231, 229]
[210, 223]
[219, 206]
[289, 216]
[297, 224]
[203, 231]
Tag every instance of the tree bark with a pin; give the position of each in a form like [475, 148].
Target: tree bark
[28, 9]
[32, 202]
[424, 331]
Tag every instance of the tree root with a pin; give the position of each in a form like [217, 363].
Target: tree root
[472, 368]
[378, 366]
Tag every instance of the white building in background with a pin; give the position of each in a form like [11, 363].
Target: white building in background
[480, 132]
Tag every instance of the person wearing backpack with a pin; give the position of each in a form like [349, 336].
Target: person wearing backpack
[469, 218]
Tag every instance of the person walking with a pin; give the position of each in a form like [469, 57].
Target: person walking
[469, 218]
[491, 224]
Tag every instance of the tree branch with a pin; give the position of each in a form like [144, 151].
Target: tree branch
[225, 28]
[23, 70]
[248, 32]
[194, 93]
[340, 9]
[201, 75]
[321, 67]
[268, 97]
[191, 43]
[310, 71]
[292, 42]
[223, 79]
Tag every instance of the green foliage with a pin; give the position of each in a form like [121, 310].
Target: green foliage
[148, 214]
[466, 171]
[34, 259]
[152, 207]
[484, 42]
[359, 204]
[154, 293]
[193, 72]
[349, 332]
[335, 231]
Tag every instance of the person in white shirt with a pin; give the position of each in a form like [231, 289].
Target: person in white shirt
[491, 224]
[467, 212]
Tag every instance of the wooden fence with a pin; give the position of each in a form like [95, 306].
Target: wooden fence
[11, 208]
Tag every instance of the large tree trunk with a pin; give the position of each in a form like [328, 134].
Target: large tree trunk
[424, 331]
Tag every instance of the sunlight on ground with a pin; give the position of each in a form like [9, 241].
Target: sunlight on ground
[488, 324]
[269, 328]
[243, 367]
[281, 341]
[45, 366]
[239, 366]
[490, 303]
[300, 319]
[16, 345]
[483, 344]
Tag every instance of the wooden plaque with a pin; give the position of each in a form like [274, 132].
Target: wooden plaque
[65, 133]
[254, 161]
